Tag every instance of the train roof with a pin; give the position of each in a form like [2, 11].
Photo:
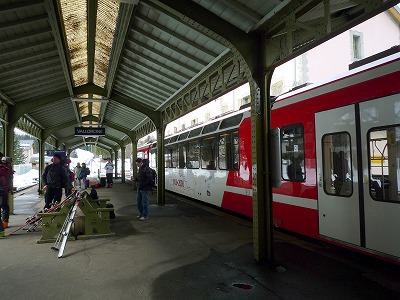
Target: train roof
[223, 122]
[311, 90]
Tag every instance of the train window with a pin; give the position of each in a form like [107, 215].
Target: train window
[231, 121]
[235, 137]
[183, 147]
[193, 155]
[174, 157]
[167, 158]
[292, 145]
[208, 153]
[384, 157]
[210, 127]
[195, 132]
[228, 151]
[171, 156]
[173, 139]
[183, 136]
[336, 165]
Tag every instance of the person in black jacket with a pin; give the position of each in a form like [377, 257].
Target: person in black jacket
[145, 183]
[6, 186]
[54, 179]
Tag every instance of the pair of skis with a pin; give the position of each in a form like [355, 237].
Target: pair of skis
[33, 222]
[62, 238]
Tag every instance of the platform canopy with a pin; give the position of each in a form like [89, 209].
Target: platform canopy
[133, 66]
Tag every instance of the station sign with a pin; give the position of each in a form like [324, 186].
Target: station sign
[62, 153]
[90, 131]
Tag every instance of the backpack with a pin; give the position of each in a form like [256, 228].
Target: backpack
[93, 194]
[71, 175]
[112, 213]
[87, 171]
[4, 174]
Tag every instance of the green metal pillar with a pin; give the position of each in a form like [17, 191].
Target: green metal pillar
[42, 143]
[9, 152]
[160, 166]
[262, 190]
[116, 163]
[134, 168]
[123, 164]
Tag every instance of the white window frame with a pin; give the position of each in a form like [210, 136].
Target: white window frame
[360, 37]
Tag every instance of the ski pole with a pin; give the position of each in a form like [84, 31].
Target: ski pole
[31, 221]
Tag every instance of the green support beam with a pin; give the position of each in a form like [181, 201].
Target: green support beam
[130, 134]
[19, 109]
[160, 166]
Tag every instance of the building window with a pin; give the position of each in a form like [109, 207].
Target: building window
[357, 48]
[245, 100]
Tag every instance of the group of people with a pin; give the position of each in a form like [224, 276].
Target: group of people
[81, 172]
[57, 176]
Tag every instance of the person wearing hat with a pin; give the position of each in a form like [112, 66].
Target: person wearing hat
[54, 179]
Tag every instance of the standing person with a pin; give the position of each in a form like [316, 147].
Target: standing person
[71, 176]
[109, 172]
[6, 174]
[144, 181]
[77, 171]
[83, 174]
[54, 178]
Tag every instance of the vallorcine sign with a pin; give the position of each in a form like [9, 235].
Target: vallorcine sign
[90, 131]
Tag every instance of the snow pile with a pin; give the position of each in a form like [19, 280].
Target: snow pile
[26, 180]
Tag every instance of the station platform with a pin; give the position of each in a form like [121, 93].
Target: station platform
[183, 251]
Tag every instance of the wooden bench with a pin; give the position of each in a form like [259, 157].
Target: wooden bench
[94, 223]
[52, 222]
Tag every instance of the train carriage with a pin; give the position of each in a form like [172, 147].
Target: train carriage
[345, 135]
[339, 161]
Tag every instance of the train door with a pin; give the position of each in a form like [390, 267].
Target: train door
[380, 130]
[338, 196]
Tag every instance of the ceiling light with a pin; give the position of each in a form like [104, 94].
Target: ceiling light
[90, 100]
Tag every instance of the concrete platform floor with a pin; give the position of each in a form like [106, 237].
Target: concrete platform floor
[182, 251]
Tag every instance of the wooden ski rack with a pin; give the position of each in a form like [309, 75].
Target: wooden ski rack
[96, 220]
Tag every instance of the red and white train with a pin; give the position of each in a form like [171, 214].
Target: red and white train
[340, 160]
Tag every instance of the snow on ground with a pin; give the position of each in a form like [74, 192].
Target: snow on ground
[26, 180]
[31, 178]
